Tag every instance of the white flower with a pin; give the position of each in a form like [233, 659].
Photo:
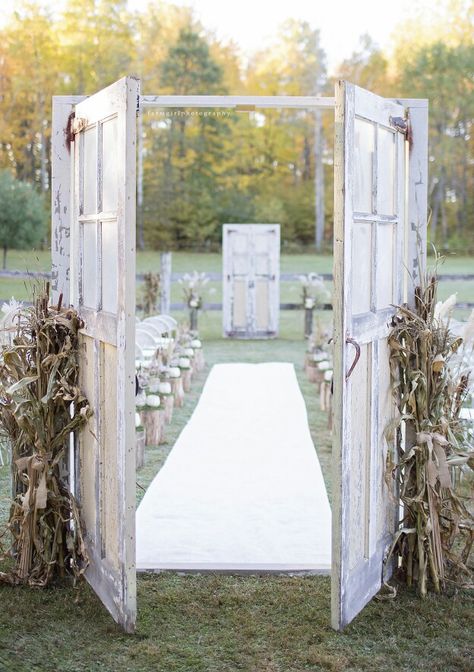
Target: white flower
[154, 387]
[153, 400]
[320, 356]
[444, 309]
[164, 388]
[184, 363]
[324, 366]
[309, 303]
[189, 352]
[13, 306]
[328, 376]
[193, 303]
[138, 420]
[174, 372]
[196, 343]
[140, 399]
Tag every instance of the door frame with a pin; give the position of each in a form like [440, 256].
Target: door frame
[61, 179]
[63, 107]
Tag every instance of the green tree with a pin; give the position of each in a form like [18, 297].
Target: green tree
[22, 214]
[182, 166]
[97, 44]
[444, 75]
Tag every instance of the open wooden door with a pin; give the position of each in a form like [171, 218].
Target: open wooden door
[103, 291]
[251, 280]
[369, 276]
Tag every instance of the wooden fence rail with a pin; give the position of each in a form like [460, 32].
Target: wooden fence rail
[217, 277]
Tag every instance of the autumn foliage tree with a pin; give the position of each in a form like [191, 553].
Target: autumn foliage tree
[202, 171]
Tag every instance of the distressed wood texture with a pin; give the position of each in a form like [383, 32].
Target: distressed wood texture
[61, 196]
[103, 289]
[417, 193]
[165, 283]
[243, 102]
[369, 267]
[251, 280]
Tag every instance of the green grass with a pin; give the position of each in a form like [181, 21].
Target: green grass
[212, 262]
[228, 624]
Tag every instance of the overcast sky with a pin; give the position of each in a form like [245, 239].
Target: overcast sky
[252, 23]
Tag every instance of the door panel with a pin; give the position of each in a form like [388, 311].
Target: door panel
[251, 295]
[103, 290]
[368, 268]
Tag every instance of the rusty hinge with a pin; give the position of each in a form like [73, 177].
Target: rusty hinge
[403, 126]
[78, 124]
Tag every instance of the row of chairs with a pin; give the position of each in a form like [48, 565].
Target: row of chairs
[152, 333]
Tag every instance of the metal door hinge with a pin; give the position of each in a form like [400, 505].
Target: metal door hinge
[78, 124]
[403, 126]
[138, 104]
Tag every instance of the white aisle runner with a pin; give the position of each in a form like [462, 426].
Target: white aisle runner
[242, 488]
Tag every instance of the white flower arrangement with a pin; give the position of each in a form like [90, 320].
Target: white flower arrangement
[313, 290]
[184, 363]
[164, 388]
[196, 343]
[174, 372]
[193, 288]
[153, 400]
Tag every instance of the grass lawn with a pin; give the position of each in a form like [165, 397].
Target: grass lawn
[227, 624]
[212, 262]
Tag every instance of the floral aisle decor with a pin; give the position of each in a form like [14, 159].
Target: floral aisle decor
[430, 384]
[185, 366]
[176, 382]
[40, 405]
[194, 287]
[314, 294]
[166, 394]
[199, 361]
[152, 419]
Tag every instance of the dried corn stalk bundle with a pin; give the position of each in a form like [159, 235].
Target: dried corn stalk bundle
[435, 537]
[40, 405]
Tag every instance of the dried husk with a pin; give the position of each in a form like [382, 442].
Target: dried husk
[40, 405]
[435, 536]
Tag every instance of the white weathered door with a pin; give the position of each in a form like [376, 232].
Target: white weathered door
[369, 270]
[251, 280]
[103, 290]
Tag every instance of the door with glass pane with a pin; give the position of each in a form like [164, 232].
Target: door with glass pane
[369, 241]
[103, 290]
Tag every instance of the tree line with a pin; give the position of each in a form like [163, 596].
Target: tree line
[205, 168]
